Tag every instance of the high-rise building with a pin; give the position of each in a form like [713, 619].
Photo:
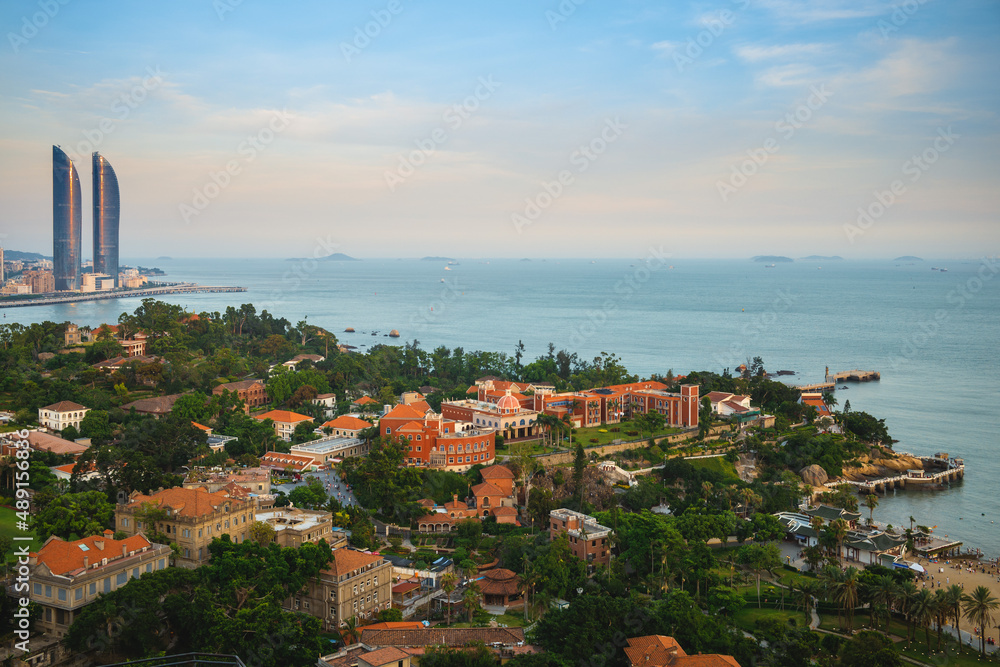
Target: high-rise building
[106, 218]
[67, 222]
[1, 267]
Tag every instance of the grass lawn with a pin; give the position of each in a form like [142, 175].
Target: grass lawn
[8, 528]
[748, 616]
[947, 656]
[718, 464]
[608, 436]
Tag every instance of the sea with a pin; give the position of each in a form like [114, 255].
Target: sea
[931, 328]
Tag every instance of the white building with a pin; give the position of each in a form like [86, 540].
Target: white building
[62, 414]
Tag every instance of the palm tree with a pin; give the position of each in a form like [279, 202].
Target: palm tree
[871, 502]
[955, 593]
[470, 598]
[882, 592]
[979, 608]
[942, 610]
[838, 531]
[448, 584]
[349, 633]
[905, 595]
[846, 593]
[922, 611]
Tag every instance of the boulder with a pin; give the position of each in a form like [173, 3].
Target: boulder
[814, 475]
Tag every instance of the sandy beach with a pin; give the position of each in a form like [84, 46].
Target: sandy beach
[956, 571]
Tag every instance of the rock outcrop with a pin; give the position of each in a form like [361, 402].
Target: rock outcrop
[814, 475]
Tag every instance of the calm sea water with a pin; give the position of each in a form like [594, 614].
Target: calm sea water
[933, 335]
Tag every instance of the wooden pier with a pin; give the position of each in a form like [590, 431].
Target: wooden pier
[954, 472]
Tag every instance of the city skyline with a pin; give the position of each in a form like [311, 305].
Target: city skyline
[859, 129]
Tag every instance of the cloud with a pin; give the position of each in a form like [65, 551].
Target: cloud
[820, 11]
[757, 53]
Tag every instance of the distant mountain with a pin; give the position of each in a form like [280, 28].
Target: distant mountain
[164, 257]
[907, 258]
[772, 258]
[20, 255]
[834, 258]
[437, 259]
[339, 257]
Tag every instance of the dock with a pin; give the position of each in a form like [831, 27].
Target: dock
[177, 288]
[953, 472]
[853, 376]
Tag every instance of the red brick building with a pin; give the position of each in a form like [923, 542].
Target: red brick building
[438, 442]
[588, 540]
[251, 392]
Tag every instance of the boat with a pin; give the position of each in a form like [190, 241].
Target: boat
[447, 268]
[769, 266]
[442, 280]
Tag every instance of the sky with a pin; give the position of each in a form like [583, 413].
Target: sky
[580, 128]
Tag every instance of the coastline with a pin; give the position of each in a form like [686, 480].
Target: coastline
[179, 288]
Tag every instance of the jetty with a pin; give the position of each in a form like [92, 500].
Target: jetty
[852, 376]
[176, 288]
[953, 471]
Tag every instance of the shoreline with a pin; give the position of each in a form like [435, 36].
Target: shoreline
[180, 288]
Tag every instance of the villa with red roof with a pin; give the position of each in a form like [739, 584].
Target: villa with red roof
[438, 442]
[191, 518]
[62, 415]
[346, 426]
[362, 402]
[67, 576]
[299, 463]
[815, 399]
[725, 405]
[662, 651]
[285, 421]
[356, 584]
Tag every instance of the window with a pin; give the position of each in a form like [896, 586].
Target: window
[135, 573]
[93, 588]
[48, 591]
[107, 584]
[121, 578]
[149, 567]
[159, 564]
[125, 521]
[199, 532]
[61, 593]
[38, 589]
[78, 595]
[186, 532]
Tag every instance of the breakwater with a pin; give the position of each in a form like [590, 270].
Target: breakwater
[179, 288]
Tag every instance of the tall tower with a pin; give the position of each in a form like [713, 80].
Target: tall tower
[106, 218]
[67, 222]
[1, 266]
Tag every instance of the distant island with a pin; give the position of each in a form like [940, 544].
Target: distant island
[772, 258]
[335, 257]
[164, 258]
[908, 258]
[834, 258]
[20, 255]
[437, 259]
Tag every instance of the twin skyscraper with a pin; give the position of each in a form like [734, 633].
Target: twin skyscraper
[67, 220]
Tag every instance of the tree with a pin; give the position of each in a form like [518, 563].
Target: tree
[349, 631]
[526, 465]
[704, 417]
[448, 584]
[470, 598]
[954, 595]
[466, 656]
[759, 557]
[871, 502]
[870, 649]
[74, 516]
[579, 465]
[922, 612]
[390, 615]
[979, 607]
[262, 533]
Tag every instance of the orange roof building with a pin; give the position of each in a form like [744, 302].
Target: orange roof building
[662, 651]
[347, 426]
[285, 421]
[356, 584]
[67, 576]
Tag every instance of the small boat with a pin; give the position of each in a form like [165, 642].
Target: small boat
[442, 280]
[447, 268]
[769, 266]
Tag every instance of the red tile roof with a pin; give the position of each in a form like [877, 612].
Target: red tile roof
[50, 443]
[486, 489]
[504, 511]
[283, 416]
[423, 406]
[346, 561]
[65, 406]
[186, 502]
[496, 472]
[298, 462]
[445, 636]
[384, 656]
[62, 557]
[405, 587]
[403, 412]
[662, 651]
[347, 422]
[202, 427]
[365, 400]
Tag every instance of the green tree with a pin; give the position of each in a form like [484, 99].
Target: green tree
[759, 558]
[74, 516]
[262, 533]
[704, 417]
[979, 607]
[448, 583]
[870, 649]
[871, 502]
[579, 465]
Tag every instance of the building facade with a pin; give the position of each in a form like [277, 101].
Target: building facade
[62, 415]
[284, 422]
[588, 540]
[67, 576]
[189, 517]
[355, 584]
[107, 214]
[67, 222]
[251, 392]
[294, 526]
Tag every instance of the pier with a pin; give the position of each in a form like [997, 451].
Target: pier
[852, 376]
[178, 288]
[953, 472]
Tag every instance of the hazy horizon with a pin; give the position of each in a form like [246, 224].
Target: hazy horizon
[860, 128]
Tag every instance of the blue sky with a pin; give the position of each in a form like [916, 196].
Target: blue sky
[511, 129]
